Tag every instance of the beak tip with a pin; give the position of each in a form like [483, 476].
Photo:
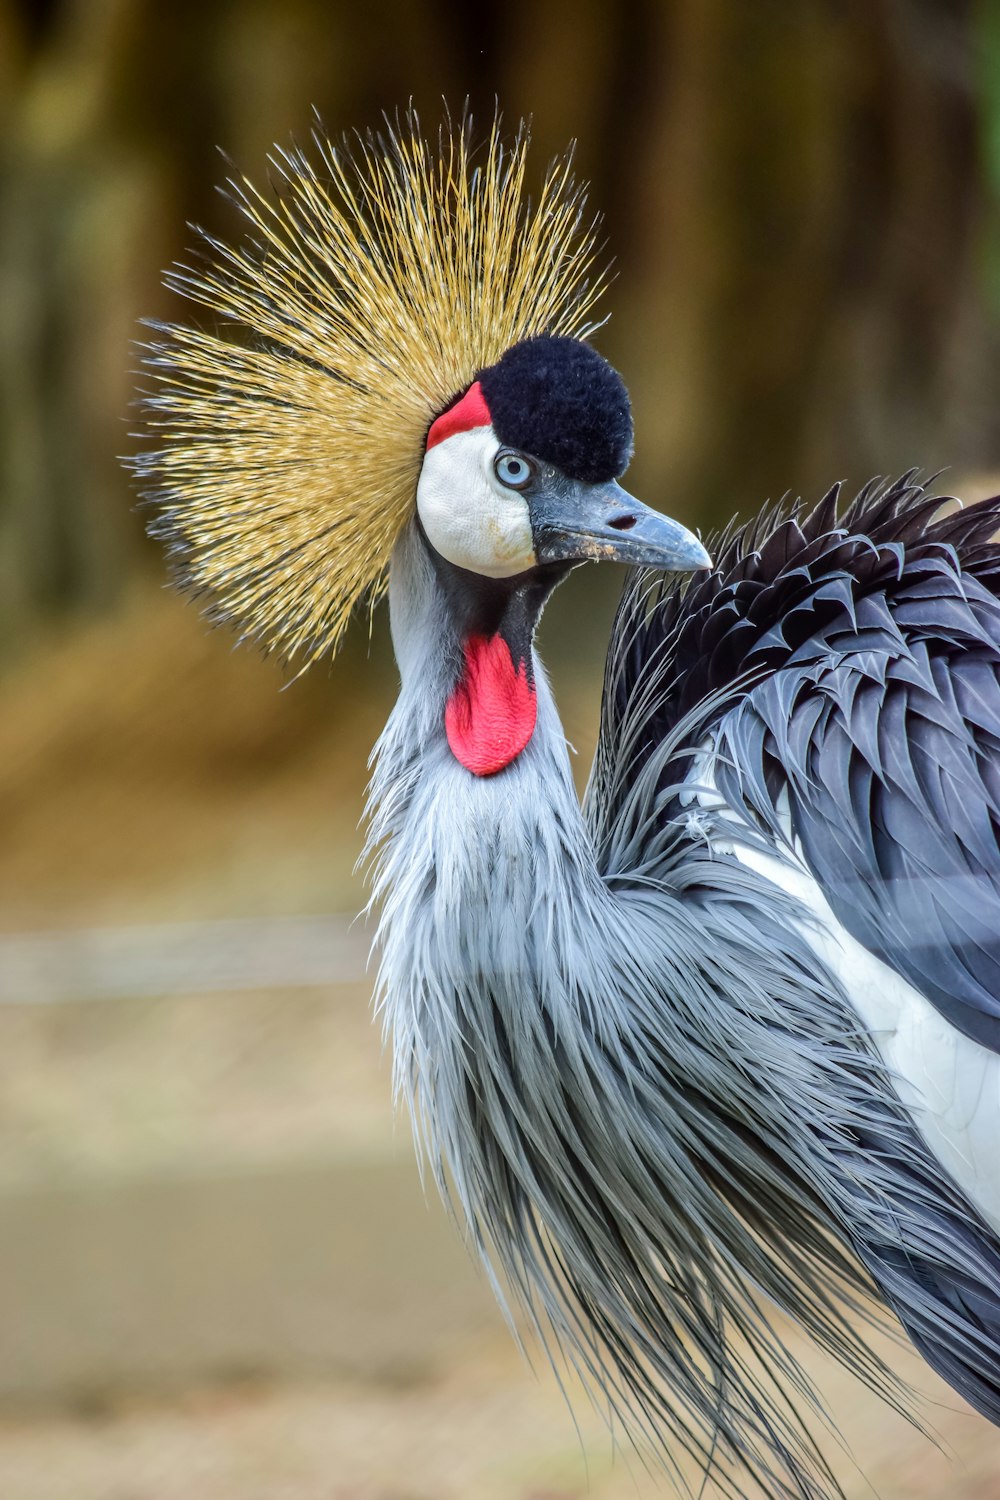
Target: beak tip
[698, 559]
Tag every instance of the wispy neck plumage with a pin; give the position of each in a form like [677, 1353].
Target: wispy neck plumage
[476, 875]
[549, 1035]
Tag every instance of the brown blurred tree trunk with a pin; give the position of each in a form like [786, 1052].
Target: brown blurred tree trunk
[809, 303]
[75, 201]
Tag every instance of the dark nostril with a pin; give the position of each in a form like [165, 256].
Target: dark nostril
[622, 523]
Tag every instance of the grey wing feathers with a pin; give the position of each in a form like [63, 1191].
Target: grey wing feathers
[855, 660]
[885, 728]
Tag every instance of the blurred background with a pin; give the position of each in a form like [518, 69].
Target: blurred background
[219, 1276]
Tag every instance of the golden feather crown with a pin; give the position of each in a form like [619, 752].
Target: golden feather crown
[374, 284]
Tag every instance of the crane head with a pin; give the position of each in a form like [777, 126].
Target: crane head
[522, 470]
[519, 483]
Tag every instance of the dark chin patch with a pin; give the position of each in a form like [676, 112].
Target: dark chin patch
[558, 399]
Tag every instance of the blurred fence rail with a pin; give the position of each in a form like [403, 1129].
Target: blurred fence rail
[180, 958]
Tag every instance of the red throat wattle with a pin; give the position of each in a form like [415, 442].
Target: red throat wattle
[490, 716]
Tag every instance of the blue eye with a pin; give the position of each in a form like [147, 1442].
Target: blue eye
[513, 470]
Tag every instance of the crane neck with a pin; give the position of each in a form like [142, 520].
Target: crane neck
[459, 858]
[464, 644]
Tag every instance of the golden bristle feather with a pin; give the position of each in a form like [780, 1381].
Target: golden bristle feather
[373, 286]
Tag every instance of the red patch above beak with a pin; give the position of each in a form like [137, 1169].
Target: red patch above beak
[490, 716]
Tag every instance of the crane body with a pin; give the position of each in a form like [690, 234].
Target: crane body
[726, 1037]
[591, 1006]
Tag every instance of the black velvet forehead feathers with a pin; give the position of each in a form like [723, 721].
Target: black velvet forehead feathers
[558, 399]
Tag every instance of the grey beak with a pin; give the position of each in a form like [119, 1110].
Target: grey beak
[576, 522]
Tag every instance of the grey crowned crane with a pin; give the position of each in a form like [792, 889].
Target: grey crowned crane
[726, 1038]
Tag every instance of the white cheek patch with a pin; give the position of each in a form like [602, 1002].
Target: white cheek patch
[468, 515]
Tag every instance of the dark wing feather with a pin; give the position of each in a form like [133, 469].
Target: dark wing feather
[894, 791]
[858, 664]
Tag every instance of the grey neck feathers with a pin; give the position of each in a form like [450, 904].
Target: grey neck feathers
[476, 877]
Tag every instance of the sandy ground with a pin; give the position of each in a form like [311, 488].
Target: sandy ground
[261, 1083]
[482, 1430]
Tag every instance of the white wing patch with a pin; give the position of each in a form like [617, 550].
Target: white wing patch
[949, 1083]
